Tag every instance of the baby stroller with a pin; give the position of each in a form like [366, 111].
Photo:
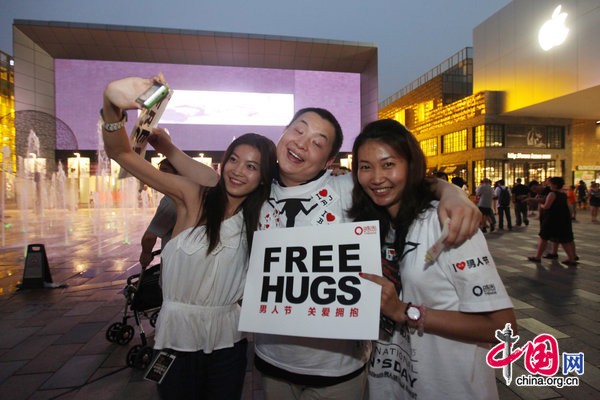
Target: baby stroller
[143, 296]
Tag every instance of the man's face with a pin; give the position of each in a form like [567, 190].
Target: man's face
[303, 149]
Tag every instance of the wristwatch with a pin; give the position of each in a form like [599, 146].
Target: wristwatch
[113, 126]
[413, 313]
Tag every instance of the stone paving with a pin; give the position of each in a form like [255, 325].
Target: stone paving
[53, 344]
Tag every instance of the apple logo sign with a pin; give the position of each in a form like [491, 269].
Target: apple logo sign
[553, 32]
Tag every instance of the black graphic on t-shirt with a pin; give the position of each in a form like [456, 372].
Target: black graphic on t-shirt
[291, 209]
[408, 247]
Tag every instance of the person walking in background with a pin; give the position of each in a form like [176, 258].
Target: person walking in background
[594, 200]
[582, 193]
[441, 175]
[555, 224]
[532, 205]
[520, 193]
[495, 203]
[503, 195]
[572, 200]
[485, 198]
[440, 324]
[162, 223]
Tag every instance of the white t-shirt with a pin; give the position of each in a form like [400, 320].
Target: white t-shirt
[323, 201]
[164, 219]
[200, 309]
[463, 279]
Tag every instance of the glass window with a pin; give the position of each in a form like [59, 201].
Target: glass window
[494, 135]
[555, 137]
[429, 146]
[479, 136]
[491, 169]
[455, 141]
[488, 136]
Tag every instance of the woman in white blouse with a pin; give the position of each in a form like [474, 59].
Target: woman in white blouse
[204, 265]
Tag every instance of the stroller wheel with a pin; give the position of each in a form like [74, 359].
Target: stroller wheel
[113, 332]
[132, 355]
[143, 357]
[125, 334]
[153, 319]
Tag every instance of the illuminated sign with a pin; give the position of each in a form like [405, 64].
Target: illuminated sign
[588, 167]
[528, 156]
[553, 32]
[199, 107]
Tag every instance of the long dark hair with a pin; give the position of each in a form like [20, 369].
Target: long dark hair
[417, 194]
[215, 198]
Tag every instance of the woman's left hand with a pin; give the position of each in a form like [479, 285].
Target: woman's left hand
[123, 92]
[391, 306]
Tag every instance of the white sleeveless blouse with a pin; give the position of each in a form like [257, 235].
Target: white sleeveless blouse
[201, 291]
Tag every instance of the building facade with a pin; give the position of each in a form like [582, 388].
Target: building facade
[506, 108]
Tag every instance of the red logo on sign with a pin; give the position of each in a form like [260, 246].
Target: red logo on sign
[358, 230]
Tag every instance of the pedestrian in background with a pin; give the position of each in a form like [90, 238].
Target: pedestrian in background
[572, 200]
[503, 195]
[582, 193]
[555, 224]
[594, 200]
[520, 193]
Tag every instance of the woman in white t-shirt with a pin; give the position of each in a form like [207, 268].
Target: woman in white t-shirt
[438, 317]
[204, 265]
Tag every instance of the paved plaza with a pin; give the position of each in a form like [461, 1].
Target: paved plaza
[53, 341]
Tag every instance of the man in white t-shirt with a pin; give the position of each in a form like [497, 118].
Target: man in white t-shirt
[306, 194]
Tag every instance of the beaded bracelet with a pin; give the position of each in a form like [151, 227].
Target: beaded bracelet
[421, 324]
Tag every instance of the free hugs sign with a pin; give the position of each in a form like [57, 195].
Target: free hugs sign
[304, 282]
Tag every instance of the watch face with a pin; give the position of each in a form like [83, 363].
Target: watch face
[413, 313]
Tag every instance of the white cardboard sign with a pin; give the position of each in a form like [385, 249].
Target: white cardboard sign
[304, 282]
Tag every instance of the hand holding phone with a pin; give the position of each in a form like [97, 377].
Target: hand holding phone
[153, 95]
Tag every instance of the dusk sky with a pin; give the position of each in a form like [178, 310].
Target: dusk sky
[412, 36]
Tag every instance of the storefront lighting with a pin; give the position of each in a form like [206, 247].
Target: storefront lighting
[346, 162]
[204, 160]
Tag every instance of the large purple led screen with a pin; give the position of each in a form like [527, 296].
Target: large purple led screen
[211, 105]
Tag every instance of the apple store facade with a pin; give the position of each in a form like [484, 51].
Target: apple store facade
[522, 103]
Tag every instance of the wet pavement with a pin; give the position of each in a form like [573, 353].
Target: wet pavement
[53, 341]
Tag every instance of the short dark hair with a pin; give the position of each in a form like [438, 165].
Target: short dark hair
[557, 181]
[458, 181]
[328, 116]
[441, 175]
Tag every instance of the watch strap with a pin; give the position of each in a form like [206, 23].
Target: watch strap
[113, 126]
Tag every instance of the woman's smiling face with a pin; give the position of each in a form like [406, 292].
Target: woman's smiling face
[382, 173]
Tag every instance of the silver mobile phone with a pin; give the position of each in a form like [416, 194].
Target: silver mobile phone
[153, 95]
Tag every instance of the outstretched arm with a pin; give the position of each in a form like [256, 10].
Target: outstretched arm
[120, 95]
[184, 164]
[464, 215]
